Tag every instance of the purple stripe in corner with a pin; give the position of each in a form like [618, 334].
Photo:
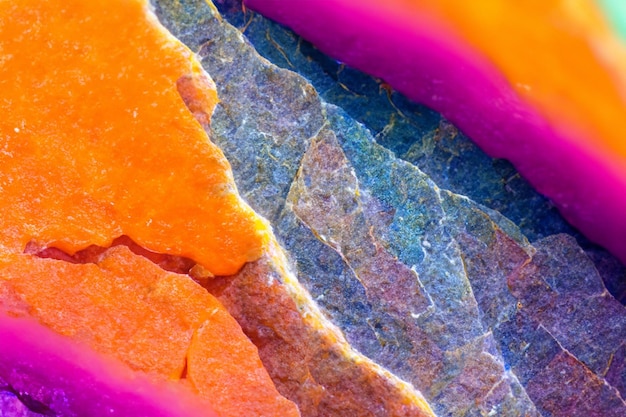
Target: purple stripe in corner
[435, 67]
[71, 380]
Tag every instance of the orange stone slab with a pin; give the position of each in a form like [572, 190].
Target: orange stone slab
[97, 141]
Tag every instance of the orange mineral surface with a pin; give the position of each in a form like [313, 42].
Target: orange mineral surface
[98, 143]
[100, 138]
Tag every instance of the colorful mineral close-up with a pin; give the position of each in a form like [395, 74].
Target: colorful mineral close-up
[540, 83]
[312, 208]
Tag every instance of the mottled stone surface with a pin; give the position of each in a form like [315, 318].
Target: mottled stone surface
[390, 231]
[16, 404]
[420, 136]
[12, 405]
[306, 360]
[285, 115]
[446, 293]
[413, 132]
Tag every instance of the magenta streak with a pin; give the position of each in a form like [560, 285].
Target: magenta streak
[71, 379]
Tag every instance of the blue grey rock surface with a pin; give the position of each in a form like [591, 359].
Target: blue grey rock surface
[420, 136]
[445, 292]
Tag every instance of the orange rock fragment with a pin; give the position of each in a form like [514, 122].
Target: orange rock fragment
[97, 141]
[219, 355]
[124, 306]
[153, 320]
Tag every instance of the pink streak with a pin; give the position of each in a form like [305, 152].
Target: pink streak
[72, 380]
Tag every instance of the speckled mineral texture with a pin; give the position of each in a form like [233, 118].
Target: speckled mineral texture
[13, 404]
[444, 292]
[413, 132]
[420, 136]
[308, 362]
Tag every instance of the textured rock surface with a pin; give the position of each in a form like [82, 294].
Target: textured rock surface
[13, 406]
[307, 360]
[420, 136]
[444, 292]
[310, 363]
[413, 132]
